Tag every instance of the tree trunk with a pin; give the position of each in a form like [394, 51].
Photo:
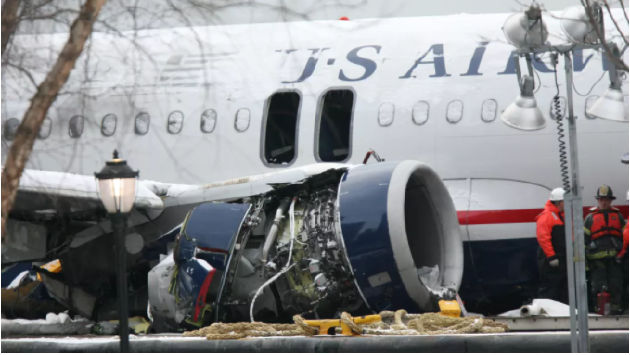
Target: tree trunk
[40, 103]
[9, 20]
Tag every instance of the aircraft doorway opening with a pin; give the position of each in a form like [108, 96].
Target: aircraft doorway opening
[281, 128]
[335, 126]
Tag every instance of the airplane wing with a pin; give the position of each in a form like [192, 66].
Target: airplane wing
[49, 190]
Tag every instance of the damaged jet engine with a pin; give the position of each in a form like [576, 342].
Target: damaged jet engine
[361, 239]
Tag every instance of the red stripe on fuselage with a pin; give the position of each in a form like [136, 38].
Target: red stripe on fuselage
[511, 216]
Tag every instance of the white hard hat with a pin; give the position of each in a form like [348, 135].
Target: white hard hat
[557, 194]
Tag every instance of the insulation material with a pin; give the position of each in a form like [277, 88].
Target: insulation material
[16, 282]
[540, 307]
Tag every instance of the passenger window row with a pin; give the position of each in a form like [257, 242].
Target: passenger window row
[333, 133]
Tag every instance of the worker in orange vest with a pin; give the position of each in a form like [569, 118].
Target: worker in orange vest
[603, 235]
[552, 260]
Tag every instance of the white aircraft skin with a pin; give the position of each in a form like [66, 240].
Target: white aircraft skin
[501, 175]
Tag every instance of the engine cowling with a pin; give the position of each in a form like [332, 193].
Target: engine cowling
[398, 219]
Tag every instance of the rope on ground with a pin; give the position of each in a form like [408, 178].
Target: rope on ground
[424, 324]
[392, 323]
[224, 331]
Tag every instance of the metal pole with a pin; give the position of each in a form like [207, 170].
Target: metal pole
[517, 66]
[578, 217]
[119, 222]
[568, 227]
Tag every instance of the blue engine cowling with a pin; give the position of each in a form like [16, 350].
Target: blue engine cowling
[398, 221]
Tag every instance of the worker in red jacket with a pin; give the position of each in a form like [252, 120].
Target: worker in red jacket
[552, 253]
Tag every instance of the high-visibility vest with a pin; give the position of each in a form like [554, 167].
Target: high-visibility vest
[602, 228]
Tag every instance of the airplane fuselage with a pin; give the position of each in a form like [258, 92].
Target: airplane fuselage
[192, 106]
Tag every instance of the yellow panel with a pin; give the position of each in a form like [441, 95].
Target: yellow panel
[450, 308]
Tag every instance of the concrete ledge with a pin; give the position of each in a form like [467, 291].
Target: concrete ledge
[539, 324]
[34, 329]
[513, 342]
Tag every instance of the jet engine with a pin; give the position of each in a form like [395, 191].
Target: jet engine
[362, 239]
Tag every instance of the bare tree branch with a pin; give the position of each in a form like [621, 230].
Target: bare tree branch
[9, 20]
[23, 71]
[625, 38]
[623, 9]
[46, 94]
[616, 61]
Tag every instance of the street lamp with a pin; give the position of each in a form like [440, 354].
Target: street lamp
[117, 191]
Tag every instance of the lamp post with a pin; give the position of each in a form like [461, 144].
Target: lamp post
[528, 32]
[117, 191]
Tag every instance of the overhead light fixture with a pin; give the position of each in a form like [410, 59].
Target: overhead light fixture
[524, 113]
[577, 26]
[610, 105]
[526, 29]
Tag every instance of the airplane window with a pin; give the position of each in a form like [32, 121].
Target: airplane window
[45, 129]
[335, 125]
[563, 108]
[10, 128]
[175, 122]
[281, 127]
[142, 123]
[420, 113]
[208, 121]
[76, 126]
[386, 114]
[455, 111]
[489, 110]
[241, 122]
[108, 125]
[589, 102]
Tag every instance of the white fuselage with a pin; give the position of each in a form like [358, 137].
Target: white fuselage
[228, 68]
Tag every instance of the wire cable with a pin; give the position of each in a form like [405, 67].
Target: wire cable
[592, 87]
[259, 292]
[557, 110]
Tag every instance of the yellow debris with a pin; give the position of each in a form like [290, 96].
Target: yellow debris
[53, 266]
[450, 309]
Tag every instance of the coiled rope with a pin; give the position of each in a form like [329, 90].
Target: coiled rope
[393, 323]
